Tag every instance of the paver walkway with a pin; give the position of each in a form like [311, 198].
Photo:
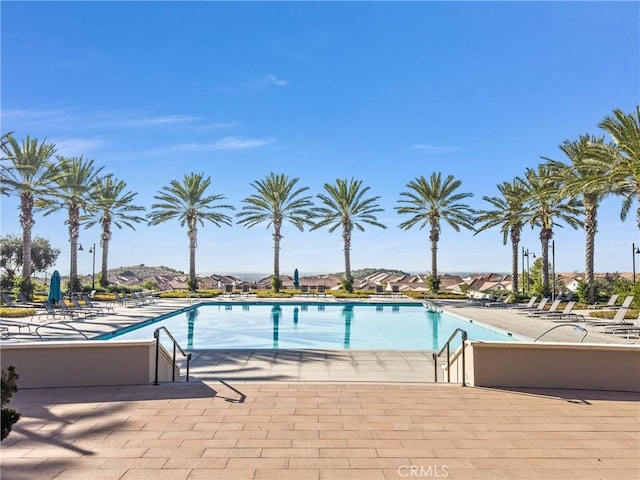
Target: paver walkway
[221, 430]
[247, 419]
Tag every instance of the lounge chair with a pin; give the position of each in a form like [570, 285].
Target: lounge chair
[500, 303]
[123, 300]
[322, 290]
[625, 328]
[567, 313]
[23, 301]
[618, 320]
[8, 301]
[626, 303]
[610, 304]
[149, 297]
[304, 290]
[539, 312]
[72, 311]
[246, 289]
[543, 303]
[87, 300]
[86, 309]
[528, 305]
[49, 310]
[484, 298]
[140, 298]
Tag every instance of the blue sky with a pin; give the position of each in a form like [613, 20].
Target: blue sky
[384, 92]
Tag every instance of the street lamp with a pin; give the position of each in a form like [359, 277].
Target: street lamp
[634, 251]
[526, 254]
[553, 269]
[92, 250]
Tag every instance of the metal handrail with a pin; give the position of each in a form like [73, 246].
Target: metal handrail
[447, 347]
[156, 335]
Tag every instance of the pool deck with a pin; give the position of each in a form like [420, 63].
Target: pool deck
[319, 415]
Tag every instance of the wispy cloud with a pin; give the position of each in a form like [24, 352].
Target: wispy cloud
[219, 126]
[30, 117]
[159, 120]
[273, 80]
[227, 143]
[434, 148]
[75, 147]
[238, 143]
[267, 81]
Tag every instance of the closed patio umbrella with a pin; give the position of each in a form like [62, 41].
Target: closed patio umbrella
[55, 295]
[296, 278]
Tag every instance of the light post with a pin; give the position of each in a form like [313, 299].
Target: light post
[526, 253]
[553, 270]
[92, 251]
[634, 251]
[523, 271]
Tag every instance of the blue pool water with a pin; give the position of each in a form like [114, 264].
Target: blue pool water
[319, 326]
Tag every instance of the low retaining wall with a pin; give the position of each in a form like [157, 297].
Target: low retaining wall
[552, 365]
[87, 363]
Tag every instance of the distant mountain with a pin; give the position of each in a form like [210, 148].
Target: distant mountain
[143, 271]
[362, 273]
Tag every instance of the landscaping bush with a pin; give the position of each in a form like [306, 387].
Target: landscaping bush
[9, 415]
[271, 294]
[20, 312]
[346, 294]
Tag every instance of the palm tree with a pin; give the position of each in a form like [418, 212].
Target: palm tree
[586, 180]
[192, 206]
[28, 176]
[276, 199]
[114, 206]
[546, 204]
[431, 201]
[624, 157]
[345, 207]
[75, 178]
[507, 212]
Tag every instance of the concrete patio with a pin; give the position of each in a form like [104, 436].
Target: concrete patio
[319, 415]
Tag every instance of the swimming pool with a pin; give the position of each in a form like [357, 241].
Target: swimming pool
[311, 326]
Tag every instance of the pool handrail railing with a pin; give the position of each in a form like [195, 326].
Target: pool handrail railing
[156, 335]
[447, 348]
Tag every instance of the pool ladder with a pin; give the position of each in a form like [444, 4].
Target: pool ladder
[176, 347]
[447, 348]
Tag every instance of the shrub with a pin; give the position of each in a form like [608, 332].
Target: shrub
[346, 284]
[276, 283]
[20, 312]
[346, 294]
[270, 294]
[9, 415]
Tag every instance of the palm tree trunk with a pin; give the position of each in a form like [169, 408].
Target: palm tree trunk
[545, 236]
[193, 243]
[106, 237]
[434, 236]
[515, 242]
[276, 257]
[590, 228]
[27, 222]
[74, 233]
[104, 281]
[346, 235]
